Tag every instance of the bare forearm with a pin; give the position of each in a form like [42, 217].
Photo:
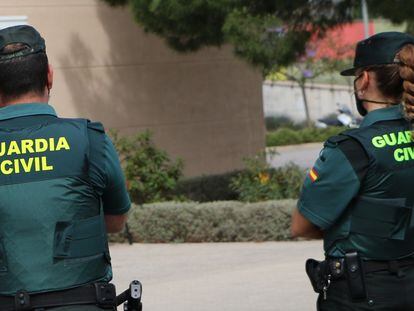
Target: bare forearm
[301, 227]
[115, 223]
[313, 234]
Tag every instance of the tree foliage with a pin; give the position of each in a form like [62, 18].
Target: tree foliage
[265, 33]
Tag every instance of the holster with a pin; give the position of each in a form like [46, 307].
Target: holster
[355, 276]
[317, 273]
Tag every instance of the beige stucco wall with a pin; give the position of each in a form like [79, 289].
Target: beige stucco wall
[204, 107]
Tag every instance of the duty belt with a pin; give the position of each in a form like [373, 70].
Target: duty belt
[336, 266]
[101, 294]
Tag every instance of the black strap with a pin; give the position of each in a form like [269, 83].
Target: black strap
[100, 294]
[356, 156]
[380, 102]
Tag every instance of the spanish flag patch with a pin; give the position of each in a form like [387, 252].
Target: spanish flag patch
[313, 175]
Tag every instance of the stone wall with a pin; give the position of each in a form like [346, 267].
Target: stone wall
[285, 99]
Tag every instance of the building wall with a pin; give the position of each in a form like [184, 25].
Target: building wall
[204, 107]
[285, 99]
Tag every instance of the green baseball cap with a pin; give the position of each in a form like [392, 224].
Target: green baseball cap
[379, 49]
[23, 34]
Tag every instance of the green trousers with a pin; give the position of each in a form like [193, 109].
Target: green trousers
[386, 291]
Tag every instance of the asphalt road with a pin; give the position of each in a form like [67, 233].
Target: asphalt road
[304, 155]
[218, 276]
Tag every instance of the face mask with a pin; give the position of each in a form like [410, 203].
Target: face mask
[359, 102]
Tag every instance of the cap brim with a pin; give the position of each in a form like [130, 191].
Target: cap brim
[348, 72]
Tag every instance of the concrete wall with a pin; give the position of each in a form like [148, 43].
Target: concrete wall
[205, 107]
[285, 98]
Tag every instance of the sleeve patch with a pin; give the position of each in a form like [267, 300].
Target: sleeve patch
[313, 175]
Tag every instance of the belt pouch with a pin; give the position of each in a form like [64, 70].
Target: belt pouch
[355, 276]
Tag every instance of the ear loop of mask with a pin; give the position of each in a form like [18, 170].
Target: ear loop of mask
[359, 102]
[355, 91]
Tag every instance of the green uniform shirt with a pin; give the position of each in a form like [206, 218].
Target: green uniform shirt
[333, 181]
[105, 171]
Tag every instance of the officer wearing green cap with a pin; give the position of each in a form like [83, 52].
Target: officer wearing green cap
[61, 189]
[359, 197]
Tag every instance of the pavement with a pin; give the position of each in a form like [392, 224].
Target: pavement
[266, 276]
[304, 155]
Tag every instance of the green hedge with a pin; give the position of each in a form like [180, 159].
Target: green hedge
[287, 136]
[227, 221]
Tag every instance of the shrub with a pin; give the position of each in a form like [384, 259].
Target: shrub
[259, 182]
[290, 180]
[285, 136]
[151, 175]
[208, 188]
[226, 221]
[276, 122]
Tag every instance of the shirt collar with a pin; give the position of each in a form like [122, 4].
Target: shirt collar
[383, 114]
[23, 110]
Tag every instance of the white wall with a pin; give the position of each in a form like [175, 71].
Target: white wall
[8, 21]
[285, 98]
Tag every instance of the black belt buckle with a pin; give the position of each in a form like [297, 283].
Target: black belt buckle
[105, 295]
[22, 301]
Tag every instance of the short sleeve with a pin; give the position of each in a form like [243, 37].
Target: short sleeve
[328, 188]
[106, 174]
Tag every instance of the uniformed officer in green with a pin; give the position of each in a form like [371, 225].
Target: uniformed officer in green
[359, 196]
[61, 190]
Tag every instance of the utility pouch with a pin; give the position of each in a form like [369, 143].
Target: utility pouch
[79, 238]
[355, 276]
[316, 271]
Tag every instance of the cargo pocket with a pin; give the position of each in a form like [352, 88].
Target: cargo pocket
[82, 238]
[382, 218]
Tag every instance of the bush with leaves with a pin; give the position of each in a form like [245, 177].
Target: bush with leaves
[208, 188]
[259, 182]
[226, 221]
[151, 174]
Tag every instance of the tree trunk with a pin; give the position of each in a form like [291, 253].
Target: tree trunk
[305, 103]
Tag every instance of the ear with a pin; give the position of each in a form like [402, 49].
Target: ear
[365, 81]
[49, 77]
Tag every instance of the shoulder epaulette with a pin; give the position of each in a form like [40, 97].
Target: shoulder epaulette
[97, 126]
[334, 141]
